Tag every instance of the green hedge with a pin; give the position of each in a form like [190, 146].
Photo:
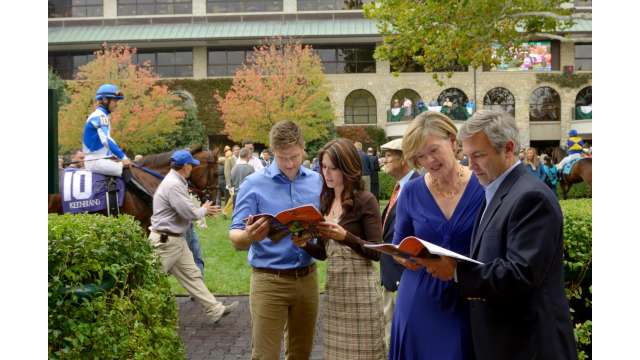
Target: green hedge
[578, 266]
[108, 297]
[577, 191]
[387, 182]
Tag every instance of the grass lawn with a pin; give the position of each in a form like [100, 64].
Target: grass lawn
[226, 270]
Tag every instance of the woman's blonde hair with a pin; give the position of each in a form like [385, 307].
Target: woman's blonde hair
[425, 124]
[536, 159]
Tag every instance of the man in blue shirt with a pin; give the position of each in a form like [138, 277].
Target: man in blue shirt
[284, 283]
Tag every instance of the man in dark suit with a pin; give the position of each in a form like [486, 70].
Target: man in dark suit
[517, 303]
[366, 166]
[390, 271]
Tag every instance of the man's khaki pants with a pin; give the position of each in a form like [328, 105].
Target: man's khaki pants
[177, 260]
[388, 303]
[283, 304]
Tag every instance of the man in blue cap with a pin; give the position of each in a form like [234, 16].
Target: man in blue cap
[173, 212]
[97, 143]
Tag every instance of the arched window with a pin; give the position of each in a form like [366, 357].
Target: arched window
[544, 105]
[500, 99]
[399, 107]
[360, 108]
[583, 104]
[456, 110]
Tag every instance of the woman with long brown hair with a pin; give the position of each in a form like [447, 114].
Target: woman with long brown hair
[353, 326]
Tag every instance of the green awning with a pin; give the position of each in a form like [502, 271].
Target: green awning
[225, 30]
[219, 30]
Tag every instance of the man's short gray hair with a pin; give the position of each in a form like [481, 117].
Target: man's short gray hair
[245, 153]
[499, 126]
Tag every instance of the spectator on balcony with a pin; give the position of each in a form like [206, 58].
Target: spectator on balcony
[447, 106]
[470, 106]
[421, 106]
[397, 111]
[407, 105]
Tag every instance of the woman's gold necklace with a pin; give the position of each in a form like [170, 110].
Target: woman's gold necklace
[437, 187]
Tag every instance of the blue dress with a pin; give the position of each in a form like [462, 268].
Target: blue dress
[430, 320]
[538, 172]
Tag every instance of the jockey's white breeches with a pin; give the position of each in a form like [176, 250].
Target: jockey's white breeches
[566, 160]
[104, 166]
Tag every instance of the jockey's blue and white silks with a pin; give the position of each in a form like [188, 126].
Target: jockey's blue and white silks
[96, 140]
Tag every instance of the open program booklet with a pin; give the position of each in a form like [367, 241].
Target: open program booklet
[413, 247]
[299, 220]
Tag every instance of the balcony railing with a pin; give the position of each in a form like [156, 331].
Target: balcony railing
[581, 113]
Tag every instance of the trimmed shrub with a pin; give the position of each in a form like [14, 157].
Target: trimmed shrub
[578, 266]
[108, 296]
[387, 182]
[577, 191]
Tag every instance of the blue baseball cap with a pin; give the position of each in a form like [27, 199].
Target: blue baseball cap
[182, 157]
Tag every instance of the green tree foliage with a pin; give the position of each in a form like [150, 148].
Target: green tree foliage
[190, 131]
[142, 120]
[282, 81]
[108, 296]
[438, 34]
[56, 83]
[313, 147]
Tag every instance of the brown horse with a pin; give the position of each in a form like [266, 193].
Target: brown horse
[203, 182]
[580, 172]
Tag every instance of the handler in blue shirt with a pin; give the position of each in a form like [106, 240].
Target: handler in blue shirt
[284, 283]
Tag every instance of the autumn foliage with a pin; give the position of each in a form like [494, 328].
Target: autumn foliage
[141, 122]
[281, 81]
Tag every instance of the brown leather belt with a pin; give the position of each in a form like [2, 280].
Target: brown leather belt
[164, 235]
[295, 273]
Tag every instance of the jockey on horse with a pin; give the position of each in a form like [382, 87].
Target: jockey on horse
[100, 148]
[575, 145]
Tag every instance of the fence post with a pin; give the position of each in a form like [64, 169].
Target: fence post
[53, 142]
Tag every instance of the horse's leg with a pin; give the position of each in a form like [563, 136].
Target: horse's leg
[564, 188]
[135, 207]
[55, 204]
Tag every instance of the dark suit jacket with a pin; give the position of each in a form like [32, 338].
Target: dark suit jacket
[366, 164]
[374, 165]
[390, 270]
[518, 307]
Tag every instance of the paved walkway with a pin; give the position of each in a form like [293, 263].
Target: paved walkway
[230, 338]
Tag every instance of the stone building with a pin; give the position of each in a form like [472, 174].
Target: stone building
[210, 38]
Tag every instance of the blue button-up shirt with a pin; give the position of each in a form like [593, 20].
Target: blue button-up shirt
[269, 191]
[405, 179]
[490, 189]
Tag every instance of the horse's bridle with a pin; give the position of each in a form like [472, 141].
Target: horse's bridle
[207, 193]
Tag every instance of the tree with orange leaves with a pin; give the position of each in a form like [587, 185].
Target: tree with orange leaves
[141, 122]
[280, 81]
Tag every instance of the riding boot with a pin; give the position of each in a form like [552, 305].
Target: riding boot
[132, 183]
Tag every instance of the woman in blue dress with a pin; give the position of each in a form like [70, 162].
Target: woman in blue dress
[431, 320]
